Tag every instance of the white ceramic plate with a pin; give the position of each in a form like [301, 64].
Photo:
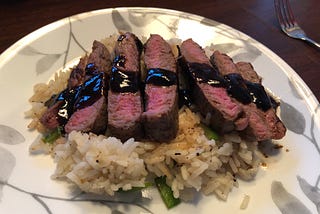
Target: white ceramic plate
[290, 183]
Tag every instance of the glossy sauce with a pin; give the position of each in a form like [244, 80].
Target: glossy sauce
[68, 98]
[121, 37]
[204, 73]
[161, 77]
[185, 98]
[91, 69]
[90, 92]
[238, 88]
[259, 96]
[124, 81]
[119, 61]
[80, 96]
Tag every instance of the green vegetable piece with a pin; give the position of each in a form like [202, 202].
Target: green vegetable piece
[209, 133]
[53, 136]
[166, 192]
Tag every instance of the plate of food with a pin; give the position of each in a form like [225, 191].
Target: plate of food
[149, 110]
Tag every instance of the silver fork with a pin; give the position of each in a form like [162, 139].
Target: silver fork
[289, 24]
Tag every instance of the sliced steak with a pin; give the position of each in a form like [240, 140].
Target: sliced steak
[78, 73]
[124, 97]
[161, 95]
[208, 93]
[50, 117]
[226, 66]
[82, 106]
[90, 107]
[247, 72]
[263, 123]
[98, 60]
[100, 57]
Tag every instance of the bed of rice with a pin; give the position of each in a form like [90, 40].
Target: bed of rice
[102, 164]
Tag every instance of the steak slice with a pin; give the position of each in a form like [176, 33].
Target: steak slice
[78, 74]
[226, 66]
[50, 117]
[263, 123]
[92, 118]
[98, 60]
[213, 100]
[124, 97]
[100, 57]
[248, 73]
[161, 94]
[70, 110]
[90, 107]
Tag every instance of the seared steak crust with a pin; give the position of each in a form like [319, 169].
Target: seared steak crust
[226, 66]
[124, 98]
[263, 124]
[225, 114]
[231, 94]
[70, 110]
[161, 99]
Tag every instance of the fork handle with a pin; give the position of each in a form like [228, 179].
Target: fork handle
[312, 42]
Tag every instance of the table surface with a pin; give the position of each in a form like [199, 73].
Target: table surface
[256, 18]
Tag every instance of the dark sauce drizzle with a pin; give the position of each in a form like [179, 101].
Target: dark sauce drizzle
[90, 92]
[91, 69]
[81, 96]
[121, 38]
[204, 73]
[68, 97]
[238, 88]
[123, 81]
[185, 98]
[137, 41]
[161, 77]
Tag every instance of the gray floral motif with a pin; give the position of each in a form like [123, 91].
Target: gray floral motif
[286, 202]
[119, 22]
[48, 59]
[312, 192]
[30, 51]
[46, 62]
[292, 118]
[140, 19]
[226, 47]
[130, 199]
[250, 53]
[10, 136]
[295, 122]
[7, 163]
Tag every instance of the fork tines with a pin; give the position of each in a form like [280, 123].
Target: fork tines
[284, 13]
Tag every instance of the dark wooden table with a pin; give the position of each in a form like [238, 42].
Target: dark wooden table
[253, 17]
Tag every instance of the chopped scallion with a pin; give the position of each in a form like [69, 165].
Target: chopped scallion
[53, 136]
[166, 192]
[209, 133]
